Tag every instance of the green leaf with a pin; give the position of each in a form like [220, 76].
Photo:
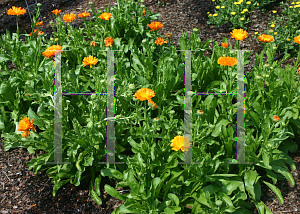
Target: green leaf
[36, 119]
[258, 108]
[174, 198]
[111, 191]
[254, 117]
[276, 191]
[97, 185]
[217, 130]
[132, 182]
[284, 172]
[2, 124]
[59, 185]
[94, 196]
[112, 173]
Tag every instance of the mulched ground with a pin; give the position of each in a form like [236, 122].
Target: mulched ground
[23, 192]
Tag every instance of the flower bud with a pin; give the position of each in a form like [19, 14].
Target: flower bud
[172, 112]
[93, 96]
[27, 64]
[90, 3]
[219, 203]
[196, 31]
[200, 112]
[135, 99]
[96, 25]
[38, 4]
[131, 86]
[156, 119]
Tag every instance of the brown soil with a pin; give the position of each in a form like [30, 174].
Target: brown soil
[24, 192]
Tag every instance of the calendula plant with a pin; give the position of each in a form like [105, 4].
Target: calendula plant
[149, 109]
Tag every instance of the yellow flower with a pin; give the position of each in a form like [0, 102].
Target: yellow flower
[256, 33]
[272, 25]
[105, 16]
[266, 38]
[297, 39]
[227, 61]
[56, 11]
[144, 94]
[210, 15]
[276, 118]
[235, 3]
[16, 11]
[257, 4]
[160, 41]
[248, 2]
[275, 33]
[274, 11]
[208, 12]
[239, 34]
[242, 19]
[242, 12]
[215, 14]
[293, 3]
[84, 14]
[223, 7]
[245, 10]
[290, 6]
[25, 126]
[51, 51]
[155, 26]
[178, 143]
[288, 39]
[217, 7]
[233, 13]
[69, 17]
[109, 41]
[90, 61]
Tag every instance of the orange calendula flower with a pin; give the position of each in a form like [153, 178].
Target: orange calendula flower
[276, 118]
[36, 32]
[266, 38]
[84, 14]
[144, 94]
[228, 61]
[169, 35]
[155, 26]
[93, 44]
[178, 143]
[25, 126]
[69, 17]
[90, 61]
[16, 11]
[200, 112]
[160, 41]
[152, 103]
[225, 45]
[51, 51]
[297, 39]
[105, 16]
[39, 24]
[109, 41]
[27, 94]
[56, 11]
[239, 34]
[144, 12]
